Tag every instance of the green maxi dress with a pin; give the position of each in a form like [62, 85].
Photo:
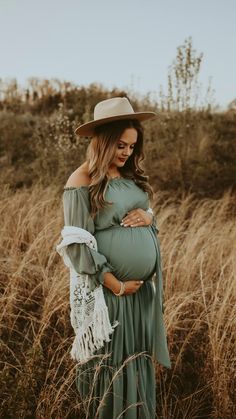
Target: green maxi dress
[120, 383]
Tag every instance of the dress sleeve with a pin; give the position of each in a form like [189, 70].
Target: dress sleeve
[76, 208]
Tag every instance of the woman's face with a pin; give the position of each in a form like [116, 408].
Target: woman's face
[125, 147]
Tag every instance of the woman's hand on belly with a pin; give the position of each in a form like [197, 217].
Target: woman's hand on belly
[132, 286]
[113, 284]
[137, 218]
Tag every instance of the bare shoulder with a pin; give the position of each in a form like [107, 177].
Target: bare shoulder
[79, 177]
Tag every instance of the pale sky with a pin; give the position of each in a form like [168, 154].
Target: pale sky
[118, 43]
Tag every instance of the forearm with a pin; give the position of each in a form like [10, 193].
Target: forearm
[111, 282]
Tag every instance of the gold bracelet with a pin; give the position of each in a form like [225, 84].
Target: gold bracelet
[122, 289]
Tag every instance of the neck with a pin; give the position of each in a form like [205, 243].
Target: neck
[112, 173]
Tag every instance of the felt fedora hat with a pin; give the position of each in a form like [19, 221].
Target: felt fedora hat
[114, 109]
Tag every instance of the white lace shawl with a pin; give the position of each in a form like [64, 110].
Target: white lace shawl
[88, 311]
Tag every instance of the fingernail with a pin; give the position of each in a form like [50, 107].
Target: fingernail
[121, 224]
[125, 225]
[141, 282]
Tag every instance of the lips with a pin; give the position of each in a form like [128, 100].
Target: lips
[122, 160]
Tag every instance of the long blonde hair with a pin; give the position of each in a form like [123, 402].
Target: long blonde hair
[100, 154]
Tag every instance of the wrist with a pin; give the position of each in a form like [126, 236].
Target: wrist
[149, 211]
[116, 287]
[122, 289]
[112, 283]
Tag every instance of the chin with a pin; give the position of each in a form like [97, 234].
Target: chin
[120, 163]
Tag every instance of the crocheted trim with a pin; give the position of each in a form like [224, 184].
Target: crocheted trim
[89, 313]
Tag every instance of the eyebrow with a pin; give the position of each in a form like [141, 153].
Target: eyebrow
[124, 142]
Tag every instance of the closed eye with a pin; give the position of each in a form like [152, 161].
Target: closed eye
[121, 146]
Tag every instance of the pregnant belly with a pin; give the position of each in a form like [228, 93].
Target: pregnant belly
[130, 251]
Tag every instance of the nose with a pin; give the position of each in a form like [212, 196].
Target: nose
[127, 152]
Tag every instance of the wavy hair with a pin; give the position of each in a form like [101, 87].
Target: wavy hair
[100, 154]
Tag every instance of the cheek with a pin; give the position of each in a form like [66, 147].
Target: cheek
[115, 156]
[118, 153]
[121, 152]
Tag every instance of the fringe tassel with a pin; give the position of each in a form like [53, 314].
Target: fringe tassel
[93, 338]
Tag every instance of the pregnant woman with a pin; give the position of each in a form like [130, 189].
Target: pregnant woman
[111, 246]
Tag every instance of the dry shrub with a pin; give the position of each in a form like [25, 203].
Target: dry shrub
[198, 251]
[198, 245]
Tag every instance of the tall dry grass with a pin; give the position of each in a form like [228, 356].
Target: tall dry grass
[198, 244]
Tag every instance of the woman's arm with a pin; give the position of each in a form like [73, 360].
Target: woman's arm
[114, 285]
[111, 282]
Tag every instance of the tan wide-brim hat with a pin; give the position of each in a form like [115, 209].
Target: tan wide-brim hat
[114, 109]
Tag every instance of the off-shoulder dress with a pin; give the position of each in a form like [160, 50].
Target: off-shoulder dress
[123, 383]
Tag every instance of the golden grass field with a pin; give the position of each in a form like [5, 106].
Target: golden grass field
[198, 245]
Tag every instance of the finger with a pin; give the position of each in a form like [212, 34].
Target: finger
[132, 212]
[129, 220]
[131, 215]
[137, 223]
[140, 224]
[126, 223]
